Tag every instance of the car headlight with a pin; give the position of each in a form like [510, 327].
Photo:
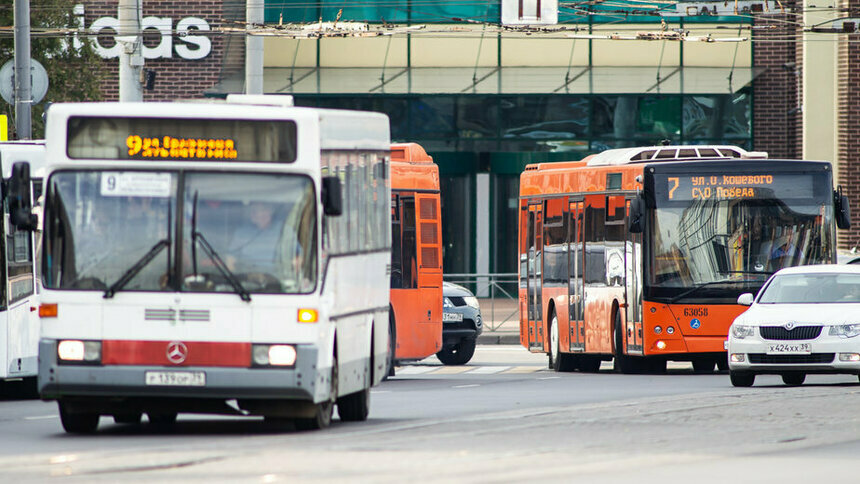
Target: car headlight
[741, 331]
[446, 303]
[472, 302]
[845, 330]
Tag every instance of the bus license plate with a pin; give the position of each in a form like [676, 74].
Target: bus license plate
[453, 317]
[789, 348]
[176, 378]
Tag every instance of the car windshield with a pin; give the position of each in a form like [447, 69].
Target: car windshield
[239, 233]
[812, 289]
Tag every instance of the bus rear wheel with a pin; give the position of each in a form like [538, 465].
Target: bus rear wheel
[78, 422]
[354, 407]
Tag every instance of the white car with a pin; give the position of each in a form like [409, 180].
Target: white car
[804, 320]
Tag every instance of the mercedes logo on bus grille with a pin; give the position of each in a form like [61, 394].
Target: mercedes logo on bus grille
[177, 352]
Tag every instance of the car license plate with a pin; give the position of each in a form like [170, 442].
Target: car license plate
[176, 378]
[452, 317]
[789, 348]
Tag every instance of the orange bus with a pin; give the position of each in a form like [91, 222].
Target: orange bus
[415, 316]
[639, 254]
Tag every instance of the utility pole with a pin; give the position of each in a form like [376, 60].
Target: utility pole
[254, 15]
[23, 91]
[131, 57]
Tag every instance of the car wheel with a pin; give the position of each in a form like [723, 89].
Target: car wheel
[76, 422]
[742, 378]
[458, 354]
[794, 379]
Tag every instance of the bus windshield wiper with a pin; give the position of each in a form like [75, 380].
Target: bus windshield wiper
[219, 263]
[758, 273]
[137, 267]
[696, 288]
[222, 267]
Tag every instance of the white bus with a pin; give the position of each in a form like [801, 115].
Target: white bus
[213, 258]
[19, 324]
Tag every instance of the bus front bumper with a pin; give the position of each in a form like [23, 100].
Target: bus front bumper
[59, 381]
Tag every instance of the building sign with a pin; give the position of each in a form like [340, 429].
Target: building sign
[186, 45]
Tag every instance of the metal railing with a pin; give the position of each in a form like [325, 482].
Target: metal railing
[492, 288]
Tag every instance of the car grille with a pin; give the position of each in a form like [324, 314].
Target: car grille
[791, 359]
[780, 333]
[457, 301]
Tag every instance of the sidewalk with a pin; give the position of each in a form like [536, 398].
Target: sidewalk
[501, 322]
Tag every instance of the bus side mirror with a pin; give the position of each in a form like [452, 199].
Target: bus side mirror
[636, 221]
[20, 197]
[842, 208]
[332, 196]
[746, 299]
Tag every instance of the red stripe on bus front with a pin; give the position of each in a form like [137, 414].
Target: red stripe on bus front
[175, 353]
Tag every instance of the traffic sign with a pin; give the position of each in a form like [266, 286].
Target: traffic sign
[38, 81]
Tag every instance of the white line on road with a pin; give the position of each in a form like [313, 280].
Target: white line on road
[415, 370]
[41, 417]
[549, 378]
[489, 370]
[466, 386]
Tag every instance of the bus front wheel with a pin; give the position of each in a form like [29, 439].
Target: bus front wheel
[322, 410]
[78, 422]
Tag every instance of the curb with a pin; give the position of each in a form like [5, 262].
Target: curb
[499, 338]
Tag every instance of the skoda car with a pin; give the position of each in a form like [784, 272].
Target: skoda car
[461, 324]
[804, 320]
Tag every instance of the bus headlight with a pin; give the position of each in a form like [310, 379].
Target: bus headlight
[79, 351]
[274, 355]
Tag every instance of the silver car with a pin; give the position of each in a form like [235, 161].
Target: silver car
[461, 324]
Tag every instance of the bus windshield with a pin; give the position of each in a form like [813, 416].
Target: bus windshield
[243, 233]
[734, 243]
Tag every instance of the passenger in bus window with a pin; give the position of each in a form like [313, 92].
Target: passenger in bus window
[255, 240]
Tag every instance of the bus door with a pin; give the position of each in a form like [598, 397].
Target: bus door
[633, 285]
[574, 264]
[535, 282]
[429, 256]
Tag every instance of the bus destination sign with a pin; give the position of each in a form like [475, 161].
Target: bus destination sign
[730, 186]
[172, 148]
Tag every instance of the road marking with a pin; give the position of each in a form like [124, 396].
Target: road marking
[525, 369]
[452, 370]
[489, 370]
[41, 417]
[374, 392]
[466, 386]
[415, 370]
[548, 377]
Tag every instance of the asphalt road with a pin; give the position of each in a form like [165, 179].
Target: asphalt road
[502, 418]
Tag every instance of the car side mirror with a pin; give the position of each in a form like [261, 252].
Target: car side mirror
[842, 209]
[19, 196]
[746, 299]
[332, 196]
[636, 220]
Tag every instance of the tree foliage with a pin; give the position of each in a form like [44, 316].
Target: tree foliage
[74, 74]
